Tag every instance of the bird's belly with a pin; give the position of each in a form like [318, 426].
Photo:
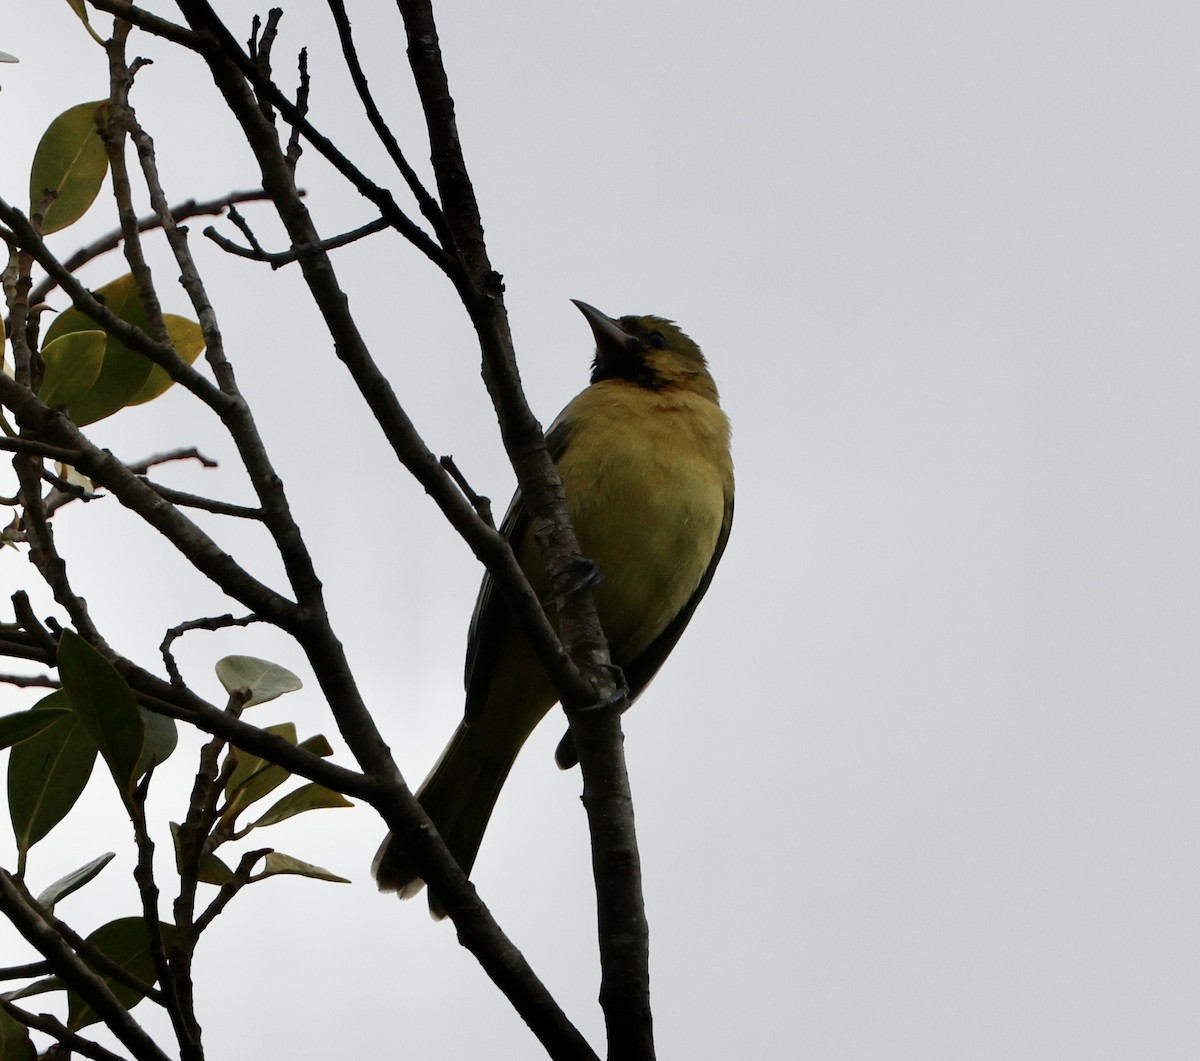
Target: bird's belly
[651, 524]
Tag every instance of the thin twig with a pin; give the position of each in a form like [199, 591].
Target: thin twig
[38, 635]
[183, 1017]
[182, 454]
[110, 473]
[277, 259]
[481, 504]
[241, 877]
[295, 148]
[29, 681]
[427, 203]
[24, 972]
[35, 448]
[217, 44]
[219, 622]
[205, 504]
[112, 240]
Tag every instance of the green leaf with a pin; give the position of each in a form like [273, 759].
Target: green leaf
[14, 1040]
[72, 882]
[72, 364]
[277, 863]
[162, 735]
[253, 778]
[71, 160]
[213, 871]
[317, 745]
[80, 8]
[308, 797]
[21, 725]
[38, 987]
[48, 772]
[106, 706]
[188, 339]
[126, 942]
[126, 377]
[264, 680]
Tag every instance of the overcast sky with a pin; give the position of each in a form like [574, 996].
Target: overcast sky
[920, 780]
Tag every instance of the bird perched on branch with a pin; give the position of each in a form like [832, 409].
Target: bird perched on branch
[644, 456]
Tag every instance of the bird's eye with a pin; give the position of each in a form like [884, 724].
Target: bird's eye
[656, 340]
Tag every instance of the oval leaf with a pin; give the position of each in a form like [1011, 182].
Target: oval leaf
[126, 377]
[253, 778]
[72, 365]
[105, 705]
[213, 871]
[162, 735]
[126, 942]
[307, 797]
[70, 160]
[21, 725]
[264, 680]
[72, 882]
[188, 340]
[47, 773]
[276, 863]
[123, 372]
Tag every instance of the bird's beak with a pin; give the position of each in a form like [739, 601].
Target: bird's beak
[608, 332]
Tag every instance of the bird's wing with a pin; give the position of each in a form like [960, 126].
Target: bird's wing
[639, 673]
[491, 613]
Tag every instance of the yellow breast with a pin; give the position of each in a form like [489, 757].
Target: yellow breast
[647, 475]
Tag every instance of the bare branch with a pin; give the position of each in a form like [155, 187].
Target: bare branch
[184, 453]
[481, 504]
[206, 504]
[279, 258]
[427, 203]
[216, 43]
[112, 240]
[183, 1018]
[105, 469]
[220, 622]
[33, 448]
[30, 681]
[24, 972]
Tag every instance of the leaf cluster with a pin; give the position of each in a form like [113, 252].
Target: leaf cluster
[53, 747]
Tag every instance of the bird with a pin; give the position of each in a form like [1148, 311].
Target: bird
[644, 457]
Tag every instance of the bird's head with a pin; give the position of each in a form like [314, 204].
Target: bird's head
[648, 351]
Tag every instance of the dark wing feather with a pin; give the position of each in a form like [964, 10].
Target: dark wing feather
[639, 673]
[491, 613]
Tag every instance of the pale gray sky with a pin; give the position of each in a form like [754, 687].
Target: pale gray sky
[920, 781]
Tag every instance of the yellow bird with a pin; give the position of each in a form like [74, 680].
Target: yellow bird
[644, 456]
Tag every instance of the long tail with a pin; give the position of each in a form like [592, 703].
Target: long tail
[458, 795]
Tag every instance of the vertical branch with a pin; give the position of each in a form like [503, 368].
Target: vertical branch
[621, 920]
[183, 1017]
